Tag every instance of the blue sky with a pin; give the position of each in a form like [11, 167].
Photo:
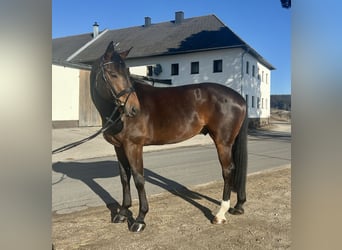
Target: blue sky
[264, 25]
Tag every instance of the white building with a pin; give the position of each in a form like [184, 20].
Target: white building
[183, 51]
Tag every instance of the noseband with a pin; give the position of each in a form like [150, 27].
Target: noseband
[116, 96]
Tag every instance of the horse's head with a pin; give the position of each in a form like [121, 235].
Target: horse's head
[113, 81]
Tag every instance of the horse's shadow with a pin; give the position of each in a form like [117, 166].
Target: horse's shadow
[87, 172]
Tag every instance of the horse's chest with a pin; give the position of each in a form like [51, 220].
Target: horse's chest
[111, 139]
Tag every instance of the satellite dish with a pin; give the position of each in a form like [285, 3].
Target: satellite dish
[157, 69]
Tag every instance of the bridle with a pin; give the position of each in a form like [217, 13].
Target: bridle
[116, 96]
[110, 121]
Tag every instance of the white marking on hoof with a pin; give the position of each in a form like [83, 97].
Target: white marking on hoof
[217, 221]
[220, 217]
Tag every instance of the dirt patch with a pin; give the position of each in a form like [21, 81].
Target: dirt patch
[180, 220]
[280, 115]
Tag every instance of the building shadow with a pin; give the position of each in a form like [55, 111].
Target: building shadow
[206, 39]
[87, 172]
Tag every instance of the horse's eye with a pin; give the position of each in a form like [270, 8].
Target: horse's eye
[112, 74]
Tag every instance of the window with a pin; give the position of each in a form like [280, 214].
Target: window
[246, 100]
[262, 103]
[217, 66]
[266, 103]
[149, 71]
[262, 77]
[174, 69]
[266, 78]
[258, 103]
[247, 67]
[253, 101]
[253, 70]
[194, 67]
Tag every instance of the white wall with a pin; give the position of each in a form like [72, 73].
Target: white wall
[233, 75]
[258, 86]
[229, 76]
[138, 70]
[65, 93]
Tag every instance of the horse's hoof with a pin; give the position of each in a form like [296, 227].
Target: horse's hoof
[236, 211]
[218, 221]
[118, 218]
[137, 227]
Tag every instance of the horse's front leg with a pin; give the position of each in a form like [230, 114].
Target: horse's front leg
[135, 158]
[125, 176]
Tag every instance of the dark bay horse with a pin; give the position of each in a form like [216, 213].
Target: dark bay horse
[148, 115]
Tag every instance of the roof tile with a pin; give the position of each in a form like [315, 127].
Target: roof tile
[193, 34]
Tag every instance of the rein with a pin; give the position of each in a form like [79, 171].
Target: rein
[109, 123]
[119, 107]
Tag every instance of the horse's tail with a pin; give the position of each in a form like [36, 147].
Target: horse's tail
[240, 157]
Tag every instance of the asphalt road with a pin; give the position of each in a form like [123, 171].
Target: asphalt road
[81, 184]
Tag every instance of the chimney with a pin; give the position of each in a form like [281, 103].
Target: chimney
[95, 30]
[179, 17]
[147, 21]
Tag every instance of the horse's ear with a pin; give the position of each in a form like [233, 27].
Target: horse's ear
[125, 53]
[109, 51]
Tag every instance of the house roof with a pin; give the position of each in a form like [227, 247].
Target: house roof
[63, 47]
[166, 38]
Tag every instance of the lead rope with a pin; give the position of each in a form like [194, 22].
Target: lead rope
[107, 125]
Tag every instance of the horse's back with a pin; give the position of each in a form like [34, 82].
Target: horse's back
[222, 91]
[202, 101]
[197, 91]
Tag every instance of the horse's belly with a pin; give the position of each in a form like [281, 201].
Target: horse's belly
[173, 135]
[170, 140]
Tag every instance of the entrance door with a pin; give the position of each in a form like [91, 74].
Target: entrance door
[88, 114]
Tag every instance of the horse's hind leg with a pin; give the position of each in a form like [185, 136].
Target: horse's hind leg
[241, 199]
[225, 158]
[125, 176]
